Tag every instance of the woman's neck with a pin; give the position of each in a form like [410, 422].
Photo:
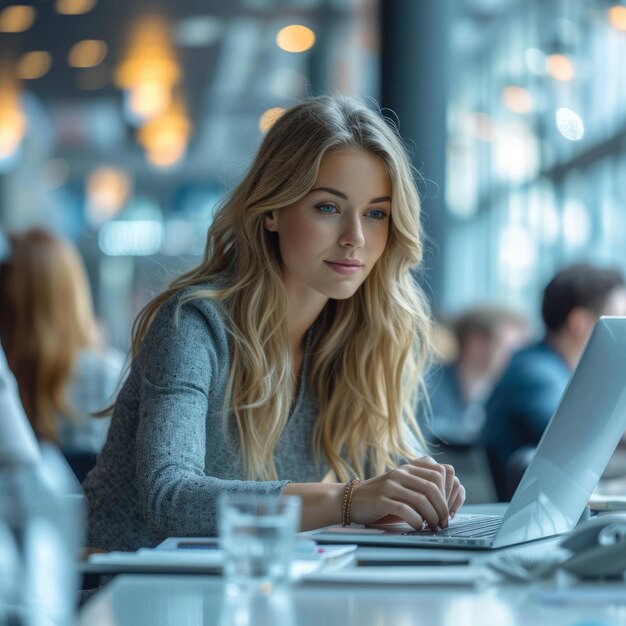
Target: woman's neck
[303, 308]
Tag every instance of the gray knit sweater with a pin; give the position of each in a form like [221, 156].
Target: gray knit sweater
[166, 459]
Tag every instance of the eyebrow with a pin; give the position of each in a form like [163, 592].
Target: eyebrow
[340, 194]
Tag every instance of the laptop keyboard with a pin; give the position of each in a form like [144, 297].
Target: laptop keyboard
[471, 526]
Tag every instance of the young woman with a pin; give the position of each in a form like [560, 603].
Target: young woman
[292, 354]
[52, 342]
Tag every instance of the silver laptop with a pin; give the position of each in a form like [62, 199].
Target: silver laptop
[570, 458]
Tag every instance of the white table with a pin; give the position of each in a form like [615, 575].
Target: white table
[181, 600]
[198, 601]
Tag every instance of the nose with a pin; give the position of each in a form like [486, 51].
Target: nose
[352, 235]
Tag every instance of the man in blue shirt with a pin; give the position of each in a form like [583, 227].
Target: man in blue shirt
[529, 391]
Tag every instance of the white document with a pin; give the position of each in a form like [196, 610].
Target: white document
[436, 575]
[209, 559]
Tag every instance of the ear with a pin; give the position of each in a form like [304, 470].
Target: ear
[271, 222]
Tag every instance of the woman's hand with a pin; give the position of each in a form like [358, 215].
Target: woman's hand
[420, 491]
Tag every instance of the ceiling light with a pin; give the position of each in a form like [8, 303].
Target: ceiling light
[517, 99]
[74, 7]
[87, 53]
[12, 118]
[17, 18]
[149, 99]
[267, 119]
[166, 158]
[108, 189]
[12, 128]
[150, 55]
[165, 137]
[295, 38]
[560, 67]
[617, 17]
[33, 65]
[569, 124]
[149, 70]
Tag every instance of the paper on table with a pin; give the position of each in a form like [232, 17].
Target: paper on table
[413, 575]
[147, 559]
[309, 559]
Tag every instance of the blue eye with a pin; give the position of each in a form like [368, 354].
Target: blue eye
[326, 208]
[377, 214]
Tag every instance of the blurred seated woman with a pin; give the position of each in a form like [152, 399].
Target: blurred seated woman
[52, 343]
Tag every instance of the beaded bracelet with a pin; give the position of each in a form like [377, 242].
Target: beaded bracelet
[347, 501]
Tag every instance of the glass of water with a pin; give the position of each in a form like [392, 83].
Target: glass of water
[257, 535]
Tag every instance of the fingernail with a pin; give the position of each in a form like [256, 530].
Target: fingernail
[452, 514]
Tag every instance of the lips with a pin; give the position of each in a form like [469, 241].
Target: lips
[346, 263]
[347, 269]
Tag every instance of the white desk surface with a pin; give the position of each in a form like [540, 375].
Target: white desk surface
[180, 600]
[198, 601]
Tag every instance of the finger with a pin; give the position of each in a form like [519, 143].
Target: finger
[429, 473]
[424, 461]
[422, 482]
[460, 499]
[428, 459]
[427, 462]
[455, 493]
[438, 500]
[419, 501]
[450, 477]
[405, 512]
[388, 519]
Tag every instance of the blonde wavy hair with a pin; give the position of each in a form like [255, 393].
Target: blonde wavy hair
[369, 351]
[46, 318]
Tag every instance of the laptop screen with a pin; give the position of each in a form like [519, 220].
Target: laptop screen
[577, 444]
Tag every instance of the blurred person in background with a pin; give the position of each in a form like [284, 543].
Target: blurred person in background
[17, 441]
[486, 336]
[530, 389]
[289, 360]
[52, 342]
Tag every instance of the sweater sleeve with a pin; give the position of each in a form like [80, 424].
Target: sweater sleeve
[181, 357]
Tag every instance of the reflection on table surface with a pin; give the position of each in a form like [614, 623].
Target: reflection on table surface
[199, 601]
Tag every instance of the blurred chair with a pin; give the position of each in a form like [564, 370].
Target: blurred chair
[472, 468]
[516, 468]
